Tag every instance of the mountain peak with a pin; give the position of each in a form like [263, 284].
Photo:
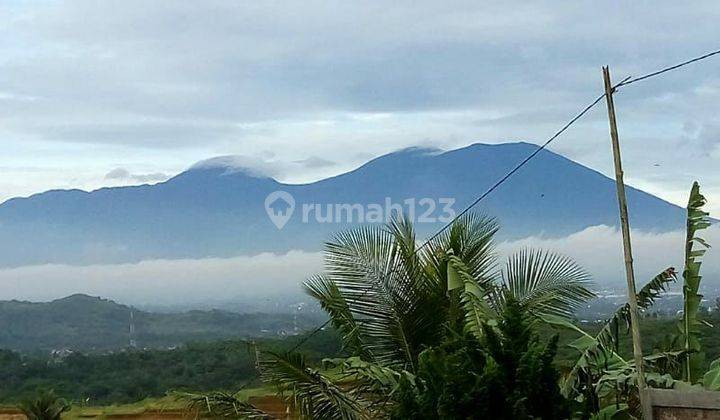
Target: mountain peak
[232, 164]
[524, 145]
[80, 298]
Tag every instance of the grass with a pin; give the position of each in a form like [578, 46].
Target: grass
[161, 404]
[167, 403]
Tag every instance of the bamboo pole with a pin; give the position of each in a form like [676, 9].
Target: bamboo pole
[625, 226]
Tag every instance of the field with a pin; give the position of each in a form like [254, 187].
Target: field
[168, 407]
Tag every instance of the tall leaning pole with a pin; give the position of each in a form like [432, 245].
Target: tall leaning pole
[627, 247]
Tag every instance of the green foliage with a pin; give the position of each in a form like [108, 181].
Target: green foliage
[221, 404]
[529, 275]
[508, 375]
[601, 373]
[202, 368]
[613, 412]
[308, 391]
[390, 302]
[364, 378]
[438, 332]
[131, 376]
[454, 380]
[46, 405]
[697, 220]
[526, 365]
[472, 297]
[711, 379]
[609, 336]
[374, 275]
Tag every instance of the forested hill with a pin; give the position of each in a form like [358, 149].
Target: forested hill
[81, 322]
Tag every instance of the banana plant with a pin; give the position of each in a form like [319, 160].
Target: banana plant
[695, 248]
[599, 353]
[600, 370]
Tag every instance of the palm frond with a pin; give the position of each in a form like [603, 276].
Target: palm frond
[546, 283]
[470, 238]
[45, 406]
[370, 379]
[473, 297]
[221, 404]
[333, 302]
[307, 390]
[364, 265]
[385, 291]
[418, 290]
[609, 334]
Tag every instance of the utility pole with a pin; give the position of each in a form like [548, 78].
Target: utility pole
[625, 226]
[133, 343]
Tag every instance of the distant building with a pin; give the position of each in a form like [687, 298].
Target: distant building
[58, 355]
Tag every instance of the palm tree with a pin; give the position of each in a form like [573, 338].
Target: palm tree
[391, 300]
[45, 406]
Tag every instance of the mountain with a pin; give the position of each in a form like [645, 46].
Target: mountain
[81, 322]
[217, 210]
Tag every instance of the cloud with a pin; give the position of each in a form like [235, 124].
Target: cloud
[122, 174]
[315, 162]
[263, 165]
[195, 282]
[118, 173]
[167, 282]
[708, 139]
[253, 166]
[599, 250]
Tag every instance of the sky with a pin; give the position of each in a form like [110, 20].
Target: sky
[124, 92]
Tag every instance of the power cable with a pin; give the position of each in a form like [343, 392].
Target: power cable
[627, 81]
[666, 69]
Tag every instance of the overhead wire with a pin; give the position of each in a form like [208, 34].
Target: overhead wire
[625, 82]
[632, 80]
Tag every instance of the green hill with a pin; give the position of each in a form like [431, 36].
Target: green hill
[81, 322]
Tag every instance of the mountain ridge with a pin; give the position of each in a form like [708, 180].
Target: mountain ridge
[216, 212]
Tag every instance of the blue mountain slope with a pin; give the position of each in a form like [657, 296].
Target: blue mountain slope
[220, 211]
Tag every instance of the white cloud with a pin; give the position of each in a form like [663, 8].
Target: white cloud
[122, 174]
[196, 282]
[599, 250]
[166, 282]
